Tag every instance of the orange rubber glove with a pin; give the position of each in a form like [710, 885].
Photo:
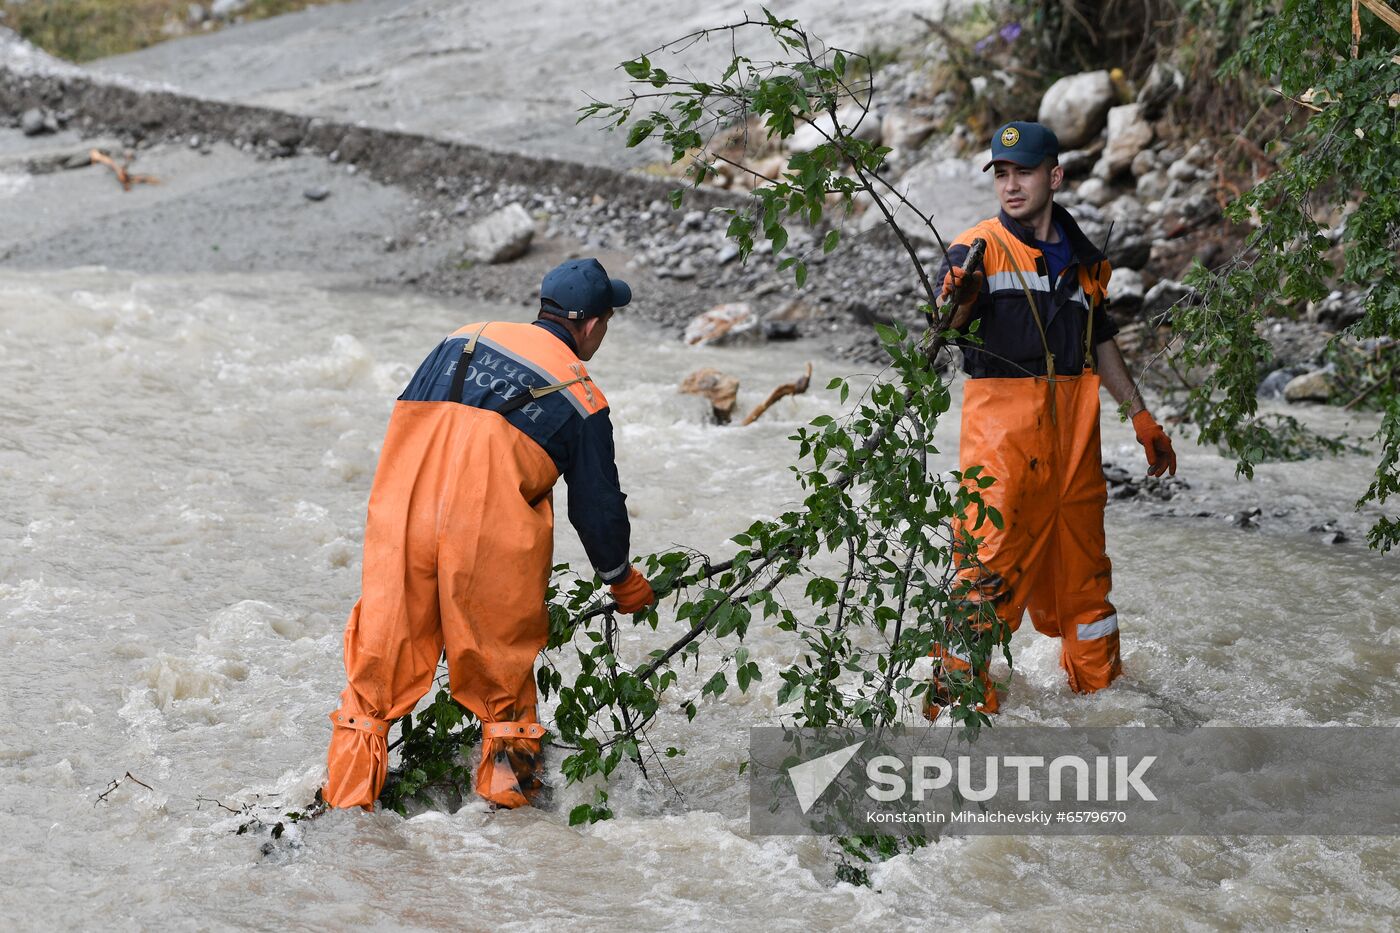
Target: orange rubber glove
[961, 284]
[1160, 456]
[633, 593]
[964, 287]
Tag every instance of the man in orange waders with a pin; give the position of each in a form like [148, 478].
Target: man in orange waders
[460, 534]
[1030, 415]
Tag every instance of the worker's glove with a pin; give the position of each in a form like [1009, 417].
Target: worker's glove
[633, 592]
[1160, 456]
[962, 286]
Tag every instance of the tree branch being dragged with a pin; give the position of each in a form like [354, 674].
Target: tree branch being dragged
[863, 620]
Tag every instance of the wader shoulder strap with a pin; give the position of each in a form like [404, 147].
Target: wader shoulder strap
[524, 398]
[1030, 300]
[459, 378]
[1089, 362]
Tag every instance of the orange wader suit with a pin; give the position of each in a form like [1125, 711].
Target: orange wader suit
[1030, 418]
[458, 548]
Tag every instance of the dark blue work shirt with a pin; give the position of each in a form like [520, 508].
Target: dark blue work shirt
[1058, 255]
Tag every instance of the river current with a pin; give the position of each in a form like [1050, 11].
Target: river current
[184, 467]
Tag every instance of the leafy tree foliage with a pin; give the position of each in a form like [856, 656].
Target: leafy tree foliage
[1341, 156]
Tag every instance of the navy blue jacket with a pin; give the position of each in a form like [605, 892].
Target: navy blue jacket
[580, 443]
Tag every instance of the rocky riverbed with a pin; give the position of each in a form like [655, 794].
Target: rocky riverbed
[243, 186]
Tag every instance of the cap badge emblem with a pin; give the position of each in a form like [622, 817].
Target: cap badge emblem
[1010, 136]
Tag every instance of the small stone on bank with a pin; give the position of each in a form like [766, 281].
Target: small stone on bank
[32, 122]
[317, 193]
[501, 236]
[724, 324]
[1310, 387]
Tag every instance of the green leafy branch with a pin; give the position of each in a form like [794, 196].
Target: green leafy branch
[1342, 157]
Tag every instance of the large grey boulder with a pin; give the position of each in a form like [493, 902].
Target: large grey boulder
[1075, 107]
[501, 236]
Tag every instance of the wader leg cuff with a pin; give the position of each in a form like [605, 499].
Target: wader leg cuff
[512, 730]
[509, 772]
[344, 719]
[357, 761]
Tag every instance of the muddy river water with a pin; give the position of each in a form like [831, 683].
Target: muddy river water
[184, 466]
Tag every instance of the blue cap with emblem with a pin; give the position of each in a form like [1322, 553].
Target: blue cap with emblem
[1027, 144]
[580, 288]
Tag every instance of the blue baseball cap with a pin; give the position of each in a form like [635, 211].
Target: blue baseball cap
[1027, 144]
[580, 288]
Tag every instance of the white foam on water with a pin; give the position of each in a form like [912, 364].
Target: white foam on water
[11, 185]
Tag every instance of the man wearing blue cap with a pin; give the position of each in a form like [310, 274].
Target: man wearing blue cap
[460, 535]
[1037, 346]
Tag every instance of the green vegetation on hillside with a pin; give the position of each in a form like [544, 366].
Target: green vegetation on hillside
[83, 30]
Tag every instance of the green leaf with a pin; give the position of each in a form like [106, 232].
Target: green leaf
[716, 685]
[639, 131]
[829, 242]
[779, 236]
[800, 274]
[677, 196]
[579, 814]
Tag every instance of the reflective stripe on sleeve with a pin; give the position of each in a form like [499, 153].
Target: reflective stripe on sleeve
[617, 573]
